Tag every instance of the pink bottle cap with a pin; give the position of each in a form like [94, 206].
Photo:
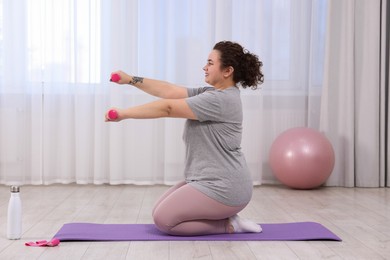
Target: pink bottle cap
[112, 114]
[115, 77]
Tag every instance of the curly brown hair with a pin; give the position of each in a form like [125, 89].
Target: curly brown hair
[246, 65]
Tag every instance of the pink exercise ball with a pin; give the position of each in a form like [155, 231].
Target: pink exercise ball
[302, 158]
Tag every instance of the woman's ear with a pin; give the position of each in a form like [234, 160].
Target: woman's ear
[228, 72]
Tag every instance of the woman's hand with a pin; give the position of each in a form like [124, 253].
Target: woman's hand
[120, 77]
[113, 115]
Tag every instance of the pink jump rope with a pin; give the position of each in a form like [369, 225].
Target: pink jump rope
[113, 114]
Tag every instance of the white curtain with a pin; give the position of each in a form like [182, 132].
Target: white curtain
[56, 58]
[353, 111]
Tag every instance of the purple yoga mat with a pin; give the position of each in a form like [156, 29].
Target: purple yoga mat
[148, 232]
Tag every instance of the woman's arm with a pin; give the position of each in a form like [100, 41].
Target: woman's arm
[157, 88]
[177, 108]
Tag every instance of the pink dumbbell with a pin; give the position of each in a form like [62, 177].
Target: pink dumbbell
[115, 77]
[112, 114]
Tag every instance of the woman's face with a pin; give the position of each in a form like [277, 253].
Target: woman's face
[213, 72]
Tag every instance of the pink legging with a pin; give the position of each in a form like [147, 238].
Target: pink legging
[185, 211]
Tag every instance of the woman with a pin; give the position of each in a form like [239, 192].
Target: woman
[217, 181]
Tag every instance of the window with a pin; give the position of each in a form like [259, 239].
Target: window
[71, 41]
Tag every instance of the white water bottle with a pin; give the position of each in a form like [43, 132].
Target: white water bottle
[14, 225]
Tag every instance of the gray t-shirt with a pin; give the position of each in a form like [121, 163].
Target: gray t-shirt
[215, 164]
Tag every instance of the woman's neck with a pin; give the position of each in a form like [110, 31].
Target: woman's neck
[225, 84]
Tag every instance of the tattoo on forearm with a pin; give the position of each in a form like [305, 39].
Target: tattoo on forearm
[135, 80]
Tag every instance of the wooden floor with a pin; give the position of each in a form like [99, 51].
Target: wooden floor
[361, 217]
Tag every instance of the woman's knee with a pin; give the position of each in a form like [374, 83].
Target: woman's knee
[162, 222]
